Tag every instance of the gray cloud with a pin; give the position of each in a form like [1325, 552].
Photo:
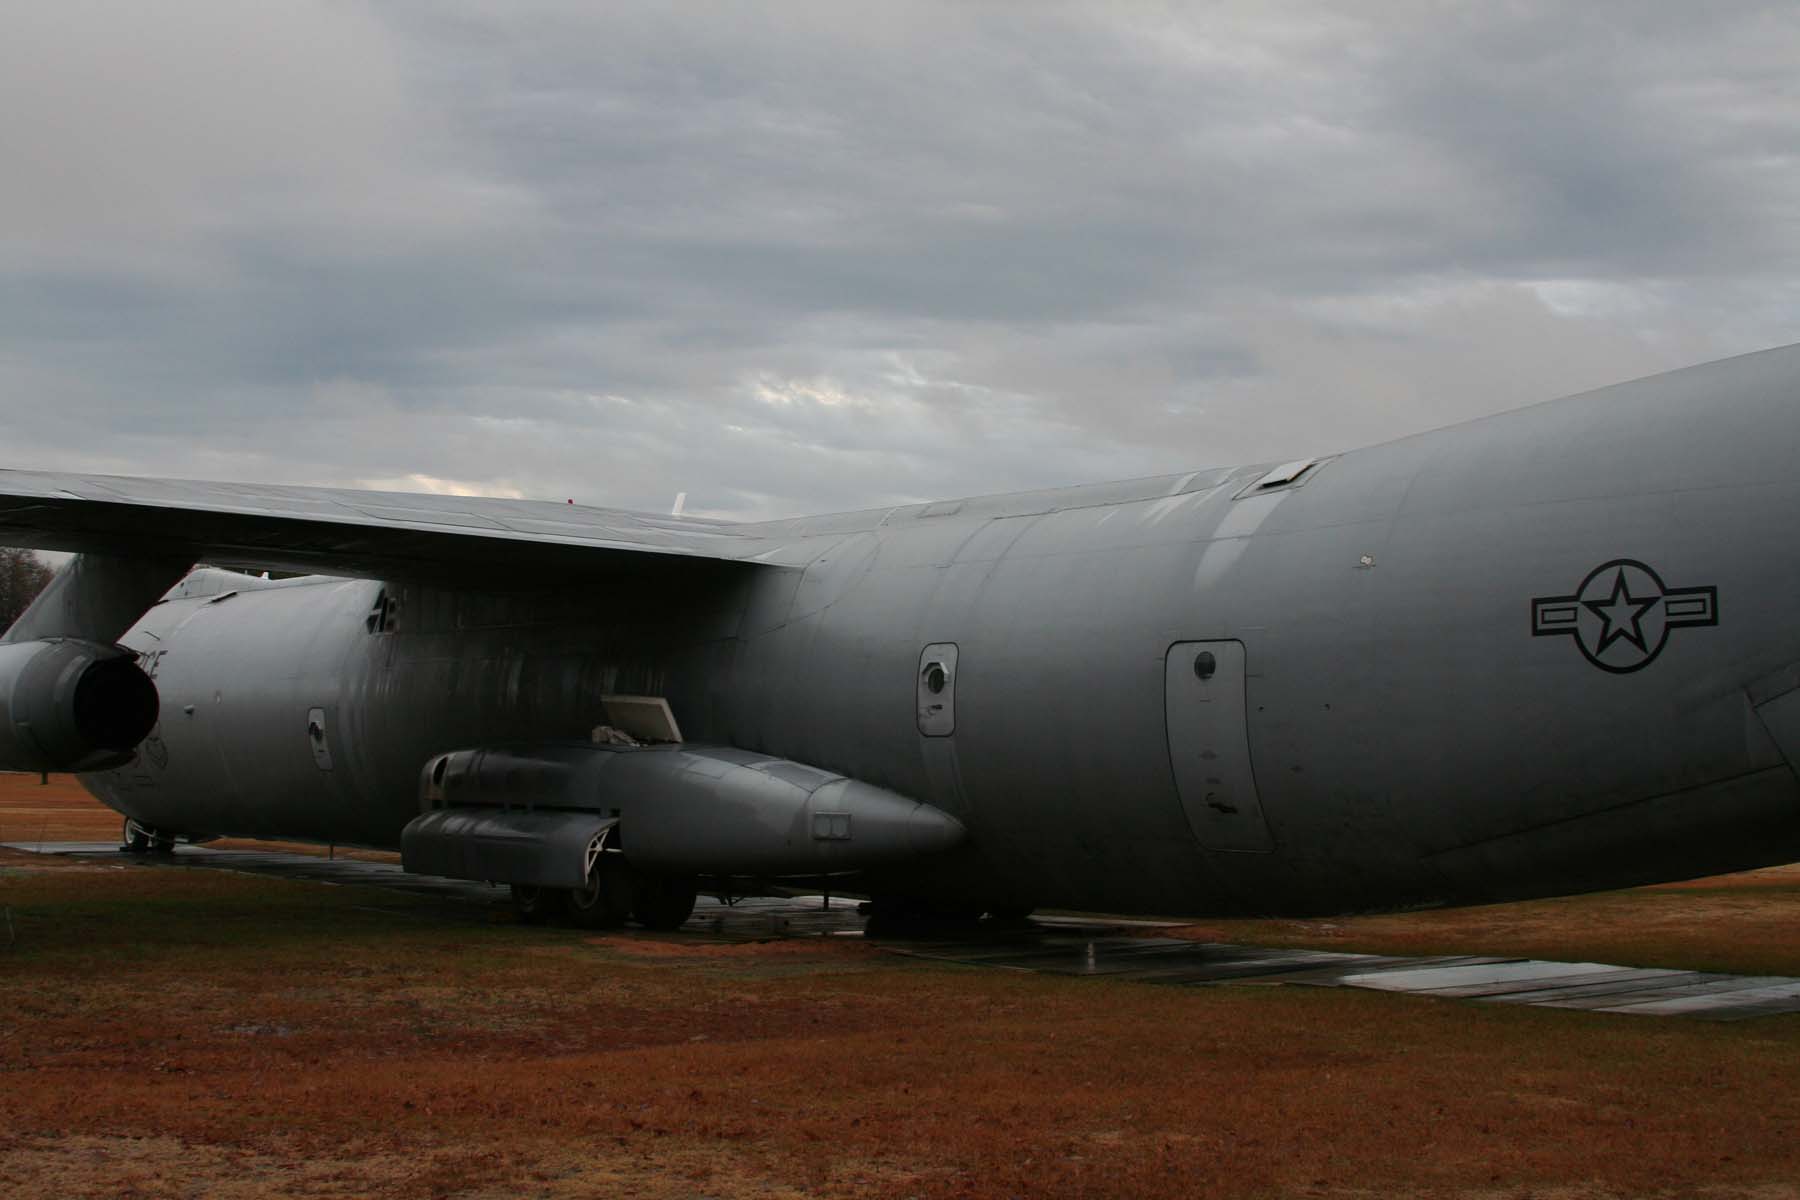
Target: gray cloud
[822, 257]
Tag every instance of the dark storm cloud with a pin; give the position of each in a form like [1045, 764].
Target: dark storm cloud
[815, 257]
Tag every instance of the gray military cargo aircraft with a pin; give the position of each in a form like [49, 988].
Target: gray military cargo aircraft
[1544, 652]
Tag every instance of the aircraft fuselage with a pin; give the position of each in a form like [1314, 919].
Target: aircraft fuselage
[1546, 652]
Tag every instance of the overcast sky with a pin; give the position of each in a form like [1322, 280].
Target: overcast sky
[794, 258]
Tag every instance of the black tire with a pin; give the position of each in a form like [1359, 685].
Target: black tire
[606, 900]
[536, 905]
[162, 843]
[135, 839]
[664, 901]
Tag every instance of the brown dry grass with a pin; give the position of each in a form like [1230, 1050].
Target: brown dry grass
[181, 1033]
[63, 811]
[60, 811]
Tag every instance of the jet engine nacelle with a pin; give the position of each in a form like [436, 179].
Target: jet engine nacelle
[70, 705]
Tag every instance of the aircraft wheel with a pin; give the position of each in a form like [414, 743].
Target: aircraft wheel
[135, 839]
[535, 905]
[605, 900]
[162, 843]
[664, 901]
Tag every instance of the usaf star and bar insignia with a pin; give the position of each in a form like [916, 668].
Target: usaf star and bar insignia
[1622, 614]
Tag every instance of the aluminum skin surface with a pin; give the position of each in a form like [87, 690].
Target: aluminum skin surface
[1549, 651]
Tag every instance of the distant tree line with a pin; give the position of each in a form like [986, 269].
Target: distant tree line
[22, 576]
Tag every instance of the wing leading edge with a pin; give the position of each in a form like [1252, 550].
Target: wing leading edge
[348, 532]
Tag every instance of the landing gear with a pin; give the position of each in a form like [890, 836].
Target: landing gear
[141, 839]
[536, 905]
[606, 899]
[612, 894]
[663, 901]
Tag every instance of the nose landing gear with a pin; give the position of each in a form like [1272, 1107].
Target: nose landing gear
[141, 839]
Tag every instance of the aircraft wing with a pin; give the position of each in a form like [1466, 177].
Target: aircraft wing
[348, 532]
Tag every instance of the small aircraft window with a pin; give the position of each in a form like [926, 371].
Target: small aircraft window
[935, 678]
[1205, 664]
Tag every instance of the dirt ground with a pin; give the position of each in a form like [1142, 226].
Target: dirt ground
[186, 1033]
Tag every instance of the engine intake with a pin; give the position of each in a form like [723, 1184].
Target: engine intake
[70, 705]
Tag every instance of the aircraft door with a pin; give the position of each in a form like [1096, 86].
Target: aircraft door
[1209, 745]
[935, 686]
